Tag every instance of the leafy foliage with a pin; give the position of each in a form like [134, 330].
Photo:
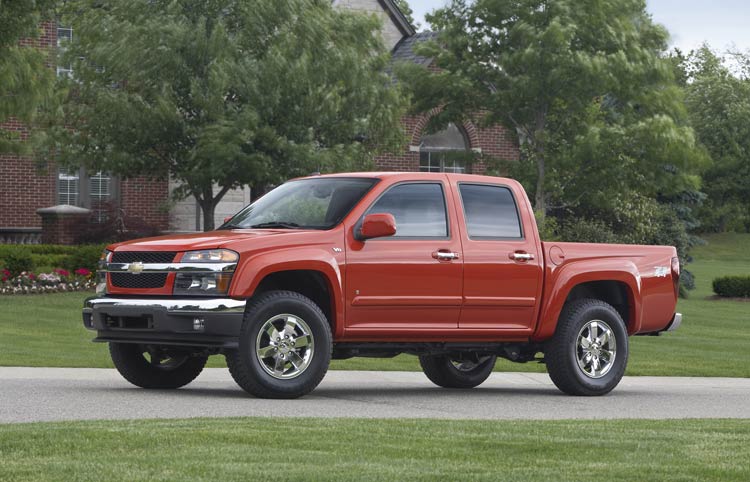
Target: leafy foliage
[405, 8]
[607, 147]
[222, 94]
[17, 261]
[732, 286]
[35, 257]
[25, 82]
[718, 101]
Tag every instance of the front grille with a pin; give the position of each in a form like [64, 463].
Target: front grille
[143, 256]
[142, 280]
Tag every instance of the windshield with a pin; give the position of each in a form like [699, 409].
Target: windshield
[304, 204]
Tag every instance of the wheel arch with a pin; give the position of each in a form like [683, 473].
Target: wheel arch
[618, 286]
[308, 272]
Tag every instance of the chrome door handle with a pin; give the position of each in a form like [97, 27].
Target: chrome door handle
[445, 255]
[521, 256]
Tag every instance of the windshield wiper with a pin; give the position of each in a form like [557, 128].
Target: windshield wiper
[230, 226]
[276, 224]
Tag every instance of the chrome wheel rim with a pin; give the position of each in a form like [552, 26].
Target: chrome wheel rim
[284, 346]
[596, 349]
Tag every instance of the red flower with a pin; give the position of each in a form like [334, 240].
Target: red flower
[62, 272]
[83, 272]
[31, 276]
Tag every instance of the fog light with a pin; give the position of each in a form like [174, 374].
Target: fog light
[199, 324]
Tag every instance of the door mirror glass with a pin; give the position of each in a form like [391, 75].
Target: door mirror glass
[379, 225]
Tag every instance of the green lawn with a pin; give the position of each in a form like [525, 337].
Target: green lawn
[46, 330]
[351, 449]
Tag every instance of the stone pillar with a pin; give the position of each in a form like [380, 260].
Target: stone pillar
[62, 224]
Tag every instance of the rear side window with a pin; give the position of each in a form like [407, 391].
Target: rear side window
[490, 211]
[419, 210]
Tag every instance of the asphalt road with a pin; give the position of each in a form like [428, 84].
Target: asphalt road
[44, 394]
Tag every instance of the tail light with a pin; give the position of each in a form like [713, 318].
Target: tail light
[676, 275]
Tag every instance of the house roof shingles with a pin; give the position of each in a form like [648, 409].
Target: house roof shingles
[404, 50]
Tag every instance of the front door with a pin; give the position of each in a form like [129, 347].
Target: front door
[503, 265]
[412, 281]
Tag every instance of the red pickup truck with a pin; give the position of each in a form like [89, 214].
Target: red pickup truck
[448, 267]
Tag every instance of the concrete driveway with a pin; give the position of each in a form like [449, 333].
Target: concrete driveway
[45, 394]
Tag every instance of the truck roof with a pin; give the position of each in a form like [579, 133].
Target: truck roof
[415, 175]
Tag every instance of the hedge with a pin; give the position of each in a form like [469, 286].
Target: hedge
[31, 257]
[732, 286]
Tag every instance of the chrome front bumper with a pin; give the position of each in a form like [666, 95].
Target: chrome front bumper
[213, 322]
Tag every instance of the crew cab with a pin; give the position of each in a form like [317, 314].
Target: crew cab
[447, 267]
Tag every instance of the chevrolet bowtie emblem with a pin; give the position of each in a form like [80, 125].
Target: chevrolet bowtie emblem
[135, 267]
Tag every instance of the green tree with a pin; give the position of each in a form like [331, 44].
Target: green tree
[718, 101]
[405, 8]
[25, 81]
[581, 82]
[224, 93]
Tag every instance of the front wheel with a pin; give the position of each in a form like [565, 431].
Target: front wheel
[465, 371]
[148, 366]
[589, 351]
[284, 348]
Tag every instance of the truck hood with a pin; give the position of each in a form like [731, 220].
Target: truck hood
[214, 239]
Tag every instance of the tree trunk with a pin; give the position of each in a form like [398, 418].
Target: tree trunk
[208, 202]
[257, 191]
[540, 200]
[209, 208]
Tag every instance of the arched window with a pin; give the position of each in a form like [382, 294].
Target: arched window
[444, 151]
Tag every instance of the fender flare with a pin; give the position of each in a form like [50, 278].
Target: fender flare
[254, 269]
[575, 273]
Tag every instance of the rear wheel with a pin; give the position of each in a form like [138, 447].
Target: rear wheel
[465, 371]
[589, 351]
[148, 366]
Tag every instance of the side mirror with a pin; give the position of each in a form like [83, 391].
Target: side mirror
[226, 219]
[378, 225]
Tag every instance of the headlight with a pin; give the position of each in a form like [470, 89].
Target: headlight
[208, 283]
[210, 256]
[101, 275]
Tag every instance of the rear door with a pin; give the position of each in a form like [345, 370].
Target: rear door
[503, 265]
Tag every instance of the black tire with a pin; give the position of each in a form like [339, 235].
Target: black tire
[442, 371]
[562, 353]
[167, 367]
[247, 367]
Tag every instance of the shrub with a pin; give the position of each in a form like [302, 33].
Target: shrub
[48, 261]
[47, 256]
[587, 231]
[17, 261]
[732, 286]
[86, 256]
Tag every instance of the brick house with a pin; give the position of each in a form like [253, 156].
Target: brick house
[24, 189]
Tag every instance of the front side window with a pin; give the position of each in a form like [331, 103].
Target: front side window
[490, 211]
[307, 203]
[419, 210]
